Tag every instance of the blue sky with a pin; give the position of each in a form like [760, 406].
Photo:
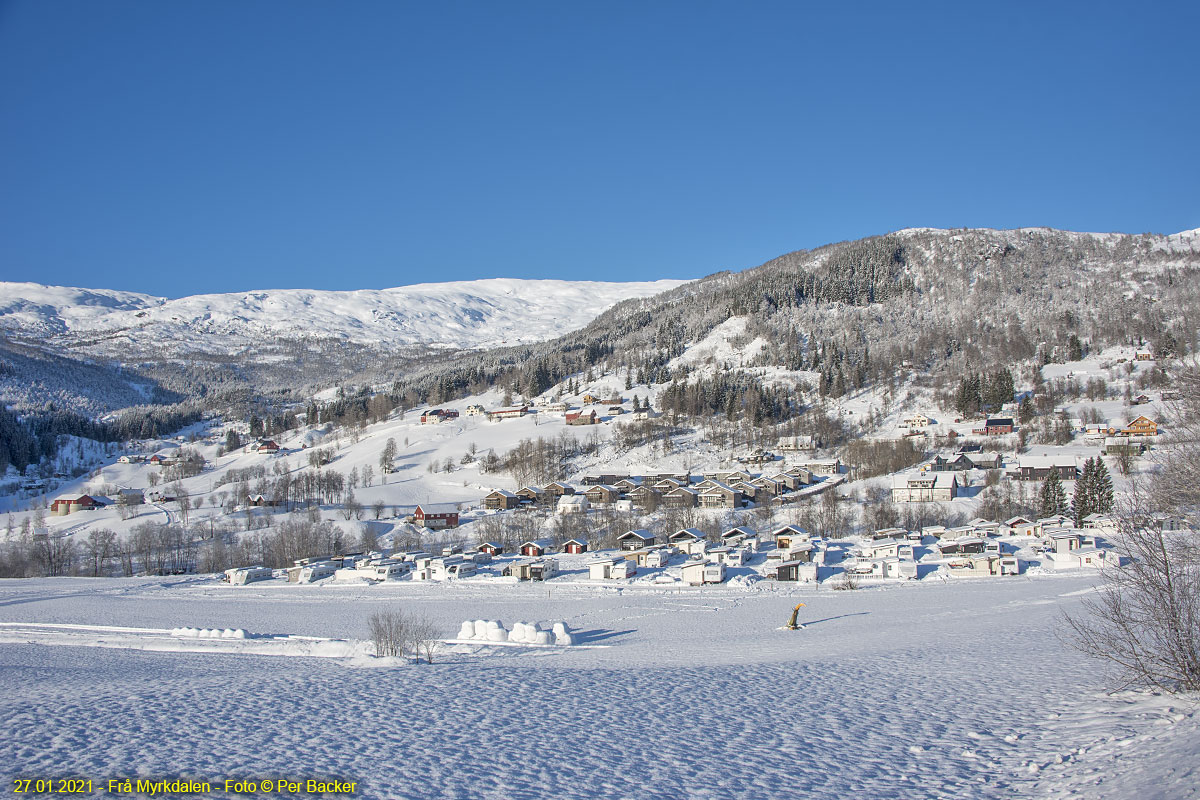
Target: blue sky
[184, 147]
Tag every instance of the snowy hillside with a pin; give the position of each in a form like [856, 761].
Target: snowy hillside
[462, 314]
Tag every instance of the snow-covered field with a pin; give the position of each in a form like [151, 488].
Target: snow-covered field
[939, 689]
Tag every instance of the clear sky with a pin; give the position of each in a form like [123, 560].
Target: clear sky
[184, 147]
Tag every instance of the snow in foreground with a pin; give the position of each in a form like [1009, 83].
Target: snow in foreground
[944, 690]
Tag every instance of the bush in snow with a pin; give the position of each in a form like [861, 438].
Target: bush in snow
[388, 631]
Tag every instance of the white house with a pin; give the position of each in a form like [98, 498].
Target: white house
[572, 504]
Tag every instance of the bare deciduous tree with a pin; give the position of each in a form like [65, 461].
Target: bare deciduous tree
[424, 638]
[1145, 620]
[389, 633]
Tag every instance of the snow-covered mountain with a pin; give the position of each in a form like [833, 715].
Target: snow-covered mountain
[461, 315]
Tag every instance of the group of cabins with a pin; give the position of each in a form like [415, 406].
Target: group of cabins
[970, 550]
[437, 415]
[728, 490]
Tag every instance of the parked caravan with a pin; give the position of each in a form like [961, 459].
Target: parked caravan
[240, 576]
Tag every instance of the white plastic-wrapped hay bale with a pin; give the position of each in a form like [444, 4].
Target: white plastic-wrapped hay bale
[519, 632]
[467, 630]
[495, 633]
[481, 629]
[542, 637]
[562, 634]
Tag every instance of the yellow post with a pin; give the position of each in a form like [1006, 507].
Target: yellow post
[792, 623]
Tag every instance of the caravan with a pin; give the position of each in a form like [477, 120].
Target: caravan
[240, 576]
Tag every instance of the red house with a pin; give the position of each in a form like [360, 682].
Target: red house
[435, 519]
[491, 548]
[575, 546]
[995, 426]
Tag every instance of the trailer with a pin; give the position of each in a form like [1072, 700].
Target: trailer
[240, 576]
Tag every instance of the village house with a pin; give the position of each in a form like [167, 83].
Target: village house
[635, 540]
[556, 490]
[436, 517]
[788, 535]
[757, 457]
[267, 446]
[1143, 355]
[508, 413]
[793, 444]
[500, 500]
[924, 487]
[558, 407]
[1141, 426]
[1121, 445]
[436, 415]
[681, 497]
[581, 417]
[718, 495]
[917, 420]
[995, 426]
[750, 492]
[955, 463]
[572, 504]
[771, 486]
[601, 494]
[530, 495]
[604, 479]
[828, 467]
[1037, 468]
[787, 482]
[475, 410]
[130, 497]
[644, 497]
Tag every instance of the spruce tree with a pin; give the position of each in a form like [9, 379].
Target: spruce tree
[1102, 488]
[1053, 496]
[1084, 499]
